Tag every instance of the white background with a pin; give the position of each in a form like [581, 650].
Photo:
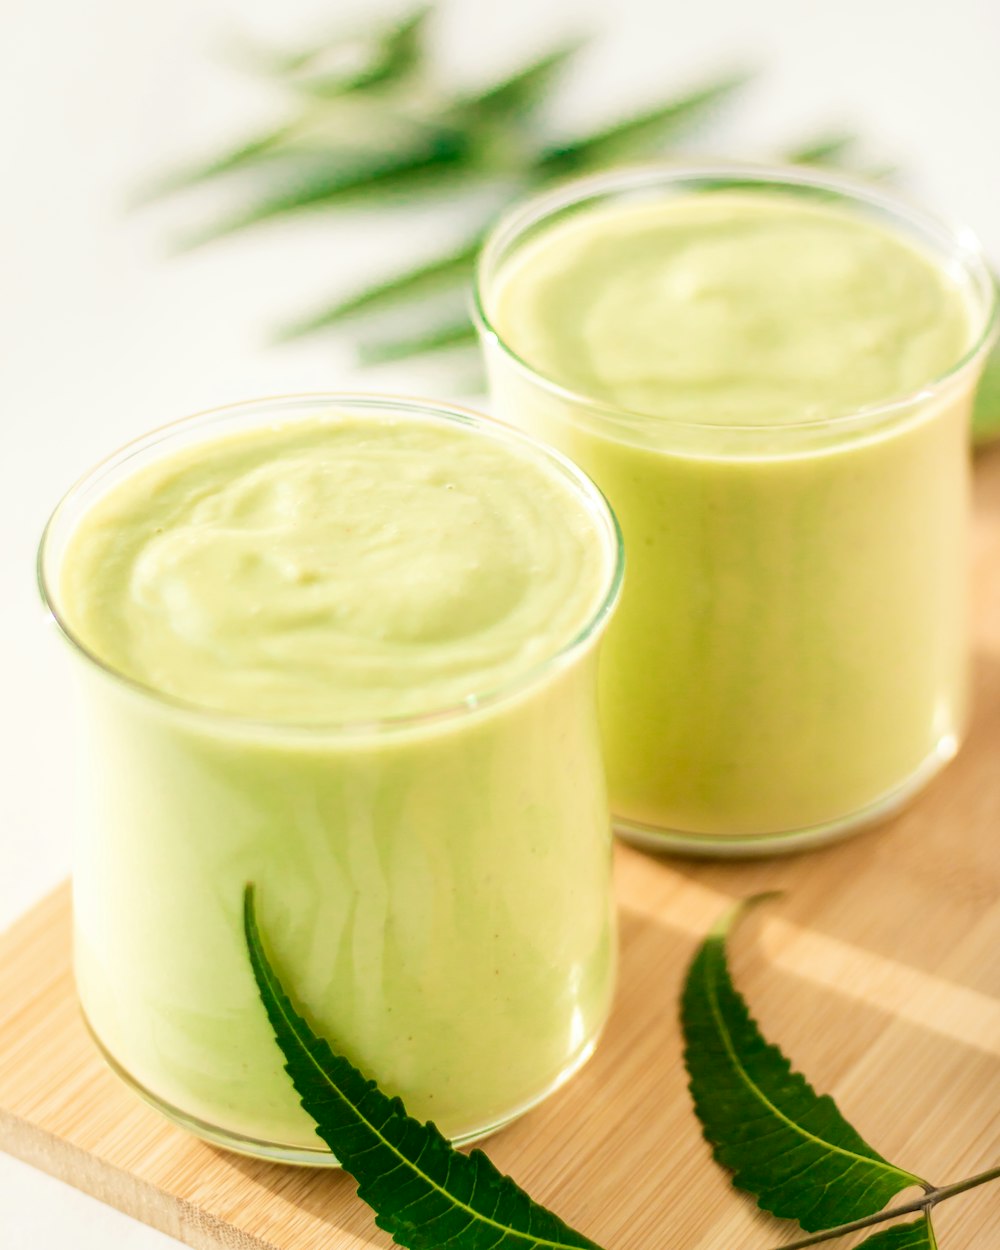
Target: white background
[104, 334]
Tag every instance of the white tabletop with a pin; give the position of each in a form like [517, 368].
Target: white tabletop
[104, 335]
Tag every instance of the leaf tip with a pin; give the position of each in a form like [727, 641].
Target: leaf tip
[739, 908]
[250, 912]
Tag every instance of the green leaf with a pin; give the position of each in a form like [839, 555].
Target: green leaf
[393, 45]
[516, 95]
[918, 1235]
[331, 138]
[828, 149]
[389, 53]
[986, 411]
[445, 273]
[447, 337]
[641, 133]
[785, 1144]
[263, 147]
[327, 182]
[836, 150]
[425, 1193]
[397, 51]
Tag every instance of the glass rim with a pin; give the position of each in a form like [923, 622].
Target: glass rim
[587, 492]
[535, 210]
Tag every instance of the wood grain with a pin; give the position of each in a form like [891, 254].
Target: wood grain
[878, 972]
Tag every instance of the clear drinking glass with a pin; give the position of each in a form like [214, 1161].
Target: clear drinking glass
[789, 659]
[436, 888]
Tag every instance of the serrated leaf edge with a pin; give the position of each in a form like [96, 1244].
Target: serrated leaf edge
[264, 972]
[719, 931]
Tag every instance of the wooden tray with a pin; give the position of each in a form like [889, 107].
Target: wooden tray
[878, 972]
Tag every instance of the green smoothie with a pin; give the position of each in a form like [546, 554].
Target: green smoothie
[349, 658]
[789, 656]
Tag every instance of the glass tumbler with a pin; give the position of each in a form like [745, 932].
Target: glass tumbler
[789, 662]
[434, 887]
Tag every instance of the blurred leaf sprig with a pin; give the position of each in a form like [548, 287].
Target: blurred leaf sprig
[369, 119]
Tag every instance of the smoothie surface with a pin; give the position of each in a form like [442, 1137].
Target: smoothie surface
[731, 307]
[336, 570]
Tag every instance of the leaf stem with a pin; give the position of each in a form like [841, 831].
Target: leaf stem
[926, 1202]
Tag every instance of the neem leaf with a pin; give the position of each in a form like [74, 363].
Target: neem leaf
[438, 338]
[397, 51]
[788, 1146]
[443, 273]
[425, 1194]
[643, 132]
[251, 152]
[386, 49]
[827, 149]
[918, 1235]
[327, 178]
[517, 94]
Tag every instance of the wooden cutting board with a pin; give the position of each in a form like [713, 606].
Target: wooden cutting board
[878, 972]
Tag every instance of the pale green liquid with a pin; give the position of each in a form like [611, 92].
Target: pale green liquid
[338, 571]
[731, 308]
[790, 648]
[437, 894]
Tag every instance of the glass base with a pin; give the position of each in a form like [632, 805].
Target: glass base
[306, 1156]
[788, 842]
